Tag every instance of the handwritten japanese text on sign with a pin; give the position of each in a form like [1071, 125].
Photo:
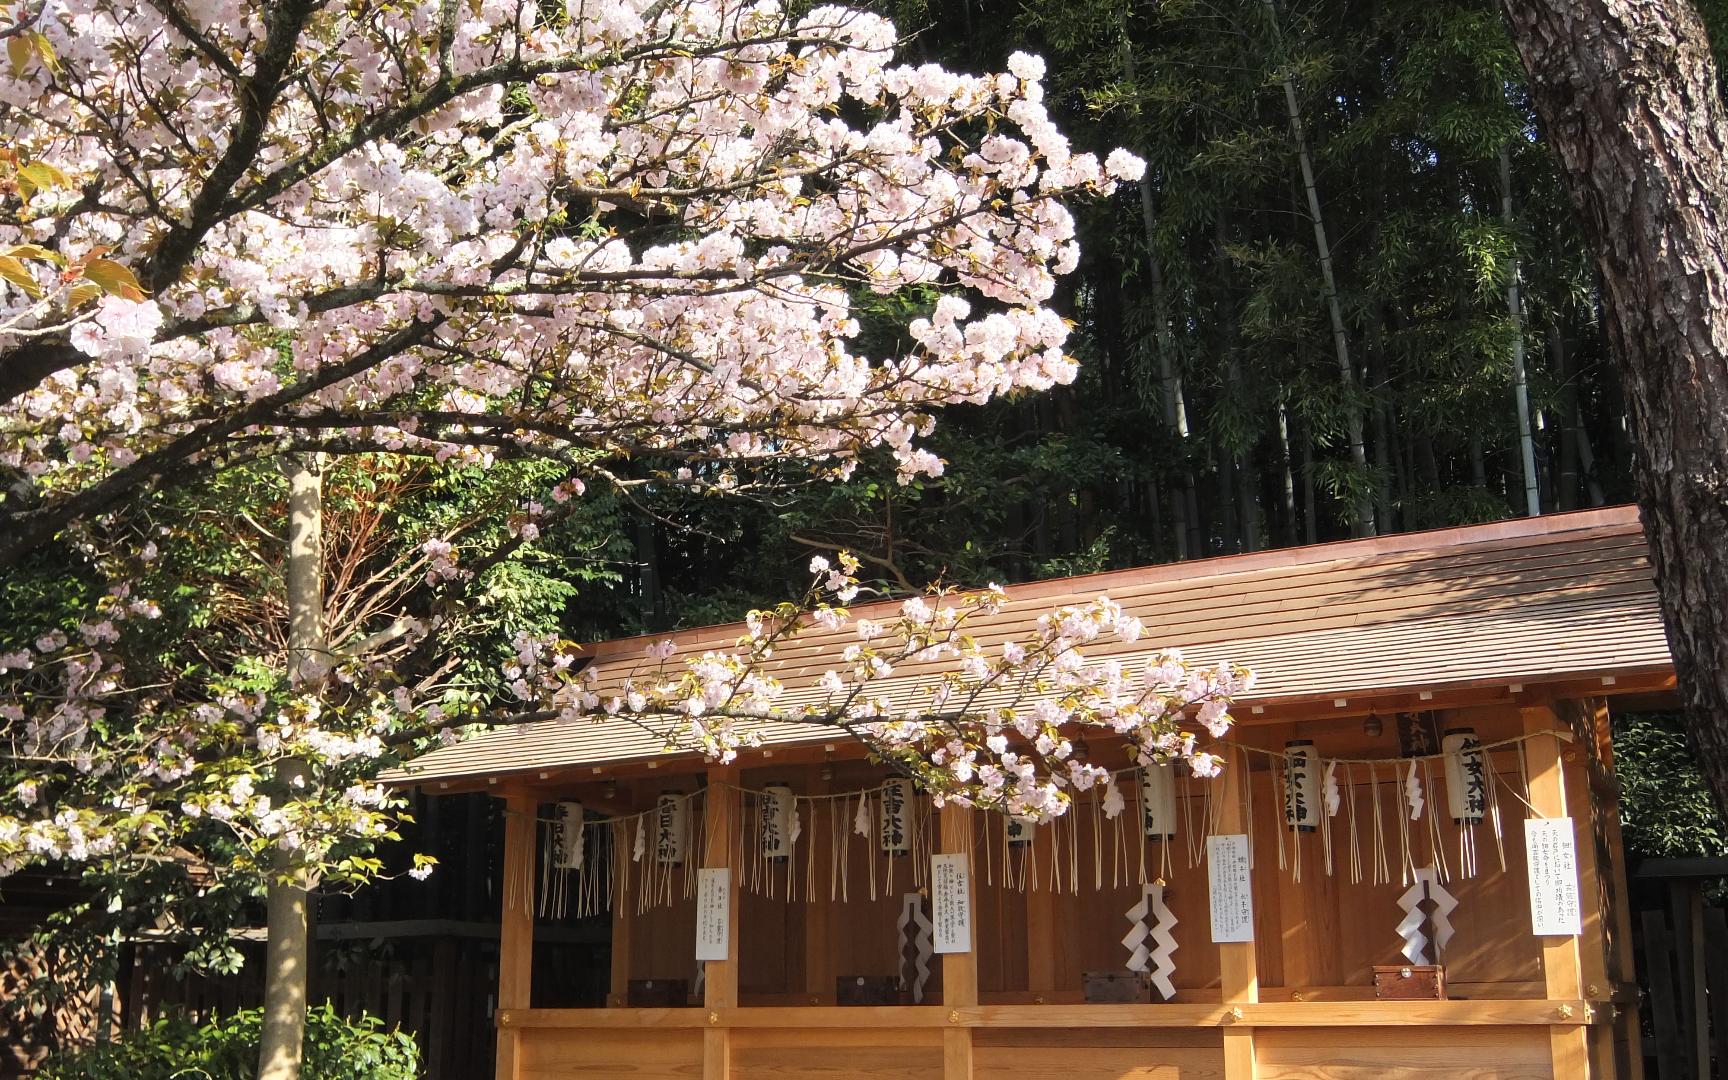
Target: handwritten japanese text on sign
[1231, 888]
[1553, 862]
[713, 913]
[951, 903]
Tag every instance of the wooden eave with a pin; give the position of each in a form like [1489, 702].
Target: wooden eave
[1512, 612]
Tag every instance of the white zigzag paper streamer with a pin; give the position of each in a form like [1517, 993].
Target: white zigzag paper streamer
[912, 918]
[1413, 793]
[1163, 963]
[640, 847]
[1158, 959]
[1426, 886]
[1114, 804]
[861, 820]
[1139, 956]
[1329, 796]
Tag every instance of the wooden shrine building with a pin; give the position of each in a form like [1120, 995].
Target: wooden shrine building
[1352, 897]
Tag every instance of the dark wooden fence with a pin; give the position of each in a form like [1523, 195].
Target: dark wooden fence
[1683, 968]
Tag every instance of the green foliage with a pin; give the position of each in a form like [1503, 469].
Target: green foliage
[227, 1049]
[1665, 806]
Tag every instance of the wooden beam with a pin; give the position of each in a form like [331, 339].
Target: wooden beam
[516, 924]
[1335, 1013]
[1562, 969]
[1041, 919]
[623, 927]
[721, 809]
[1620, 961]
[717, 1054]
[719, 840]
[960, 970]
[819, 972]
[1238, 964]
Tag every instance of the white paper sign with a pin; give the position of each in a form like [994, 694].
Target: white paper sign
[951, 903]
[1553, 862]
[1231, 888]
[713, 911]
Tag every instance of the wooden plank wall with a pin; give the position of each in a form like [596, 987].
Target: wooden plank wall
[1316, 935]
[1317, 939]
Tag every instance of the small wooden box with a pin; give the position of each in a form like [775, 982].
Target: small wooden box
[867, 990]
[657, 993]
[1409, 982]
[1115, 988]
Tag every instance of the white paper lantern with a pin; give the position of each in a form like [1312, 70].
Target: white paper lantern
[774, 820]
[1158, 801]
[897, 816]
[671, 827]
[1466, 775]
[567, 839]
[1020, 831]
[1301, 786]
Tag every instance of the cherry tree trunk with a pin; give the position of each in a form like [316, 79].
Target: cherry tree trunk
[1627, 94]
[288, 945]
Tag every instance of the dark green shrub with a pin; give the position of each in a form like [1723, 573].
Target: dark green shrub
[1664, 802]
[227, 1049]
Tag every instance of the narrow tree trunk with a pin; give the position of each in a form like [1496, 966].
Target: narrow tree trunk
[288, 938]
[1289, 475]
[1515, 314]
[1385, 467]
[1364, 508]
[1628, 95]
[1169, 379]
[1310, 524]
[1587, 462]
[1229, 529]
[1560, 360]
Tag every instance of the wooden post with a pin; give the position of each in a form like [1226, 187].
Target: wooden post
[1238, 965]
[1622, 1041]
[819, 970]
[959, 970]
[623, 926]
[720, 984]
[516, 923]
[1562, 969]
[1041, 919]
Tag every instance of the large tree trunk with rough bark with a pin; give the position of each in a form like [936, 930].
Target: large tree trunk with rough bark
[1627, 94]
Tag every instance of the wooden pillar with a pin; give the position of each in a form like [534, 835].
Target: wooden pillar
[516, 924]
[1238, 965]
[1562, 967]
[819, 971]
[959, 970]
[1622, 965]
[623, 926]
[720, 983]
[1041, 917]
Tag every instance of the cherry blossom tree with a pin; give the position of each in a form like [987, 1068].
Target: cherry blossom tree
[591, 232]
[610, 237]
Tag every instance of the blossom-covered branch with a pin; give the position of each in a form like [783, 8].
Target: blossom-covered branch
[979, 727]
[622, 228]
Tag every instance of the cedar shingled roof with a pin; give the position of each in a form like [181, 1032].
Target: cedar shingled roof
[1532, 601]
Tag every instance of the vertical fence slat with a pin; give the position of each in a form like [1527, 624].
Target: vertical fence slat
[1716, 964]
[1664, 1006]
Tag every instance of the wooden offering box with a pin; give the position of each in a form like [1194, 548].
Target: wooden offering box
[1115, 988]
[867, 990]
[657, 993]
[1410, 982]
[805, 876]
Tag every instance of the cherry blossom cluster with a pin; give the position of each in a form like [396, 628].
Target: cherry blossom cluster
[991, 728]
[462, 229]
